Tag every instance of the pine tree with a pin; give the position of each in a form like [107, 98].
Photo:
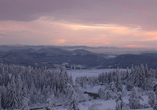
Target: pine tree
[4, 97]
[12, 100]
[111, 92]
[72, 98]
[25, 104]
[101, 93]
[134, 100]
[73, 103]
[120, 105]
[119, 82]
[0, 100]
[112, 87]
[33, 93]
[151, 98]
[19, 90]
[155, 106]
[50, 103]
[155, 88]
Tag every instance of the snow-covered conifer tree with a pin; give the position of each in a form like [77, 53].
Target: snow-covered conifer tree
[111, 92]
[101, 93]
[151, 98]
[33, 93]
[19, 90]
[50, 103]
[73, 105]
[155, 106]
[3, 97]
[120, 105]
[113, 87]
[119, 82]
[119, 102]
[77, 80]
[134, 100]
[0, 100]
[12, 100]
[25, 104]
[155, 88]
[72, 99]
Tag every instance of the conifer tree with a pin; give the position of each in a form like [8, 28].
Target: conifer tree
[25, 104]
[155, 106]
[73, 103]
[0, 100]
[134, 100]
[4, 97]
[12, 100]
[151, 98]
[50, 103]
[19, 90]
[110, 92]
[101, 93]
[72, 98]
[120, 105]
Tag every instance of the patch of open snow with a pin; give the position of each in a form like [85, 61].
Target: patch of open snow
[101, 104]
[93, 89]
[88, 72]
[104, 104]
[109, 104]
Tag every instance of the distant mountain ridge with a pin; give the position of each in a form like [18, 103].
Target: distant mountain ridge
[18, 59]
[50, 56]
[127, 60]
[104, 50]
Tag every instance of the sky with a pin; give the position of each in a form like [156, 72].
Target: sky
[112, 23]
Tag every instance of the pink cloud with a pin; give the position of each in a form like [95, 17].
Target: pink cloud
[17, 44]
[3, 28]
[136, 46]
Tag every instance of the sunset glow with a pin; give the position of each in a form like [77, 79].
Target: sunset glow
[136, 46]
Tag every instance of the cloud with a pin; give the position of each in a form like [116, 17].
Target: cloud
[48, 31]
[87, 12]
[28, 10]
[137, 46]
[1, 28]
[147, 35]
[59, 41]
[112, 28]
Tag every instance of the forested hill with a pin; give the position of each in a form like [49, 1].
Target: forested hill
[75, 59]
[127, 60]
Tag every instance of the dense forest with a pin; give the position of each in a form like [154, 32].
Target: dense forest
[23, 87]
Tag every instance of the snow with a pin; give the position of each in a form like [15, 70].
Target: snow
[100, 103]
[88, 72]
[91, 89]
[104, 105]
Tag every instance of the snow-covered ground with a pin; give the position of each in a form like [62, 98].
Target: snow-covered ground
[100, 103]
[105, 105]
[88, 72]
